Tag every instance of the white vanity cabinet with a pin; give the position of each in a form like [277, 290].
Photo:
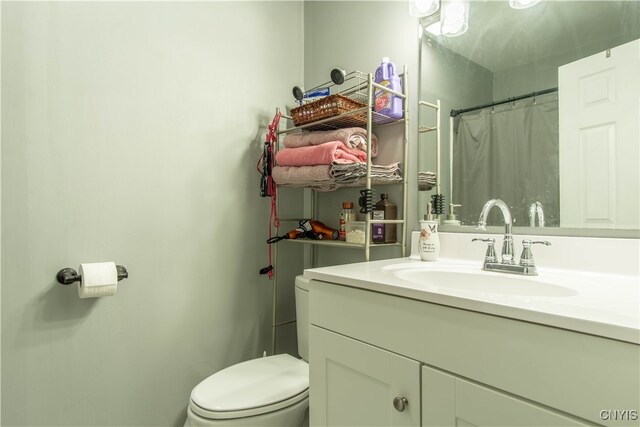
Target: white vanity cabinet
[359, 384]
[448, 400]
[458, 367]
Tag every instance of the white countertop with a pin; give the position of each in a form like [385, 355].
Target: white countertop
[590, 302]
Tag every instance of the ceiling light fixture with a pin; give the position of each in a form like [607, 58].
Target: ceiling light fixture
[452, 18]
[523, 4]
[455, 18]
[422, 8]
[451, 21]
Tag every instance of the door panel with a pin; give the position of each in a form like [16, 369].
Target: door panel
[448, 400]
[354, 384]
[599, 109]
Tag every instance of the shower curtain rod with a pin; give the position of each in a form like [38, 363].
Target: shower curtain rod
[455, 113]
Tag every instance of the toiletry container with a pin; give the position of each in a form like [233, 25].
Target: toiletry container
[347, 215]
[429, 241]
[355, 232]
[451, 218]
[384, 209]
[267, 391]
[387, 103]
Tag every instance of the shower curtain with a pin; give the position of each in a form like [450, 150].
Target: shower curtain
[509, 152]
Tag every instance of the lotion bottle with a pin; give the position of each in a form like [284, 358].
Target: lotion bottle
[451, 218]
[429, 241]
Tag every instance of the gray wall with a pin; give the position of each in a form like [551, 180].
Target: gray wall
[542, 73]
[355, 35]
[458, 83]
[130, 132]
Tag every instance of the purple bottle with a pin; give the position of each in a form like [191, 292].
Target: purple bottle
[387, 103]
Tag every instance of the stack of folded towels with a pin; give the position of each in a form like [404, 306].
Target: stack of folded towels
[426, 181]
[326, 160]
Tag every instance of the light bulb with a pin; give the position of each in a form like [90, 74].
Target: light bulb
[422, 8]
[523, 4]
[455, 18]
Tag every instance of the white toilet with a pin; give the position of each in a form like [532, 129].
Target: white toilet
[269, 391]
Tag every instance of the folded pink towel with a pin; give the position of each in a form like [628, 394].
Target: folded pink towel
[355, 138]
[324, 154]
[302, 175]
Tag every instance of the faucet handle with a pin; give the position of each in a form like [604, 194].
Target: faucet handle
[490, 255]
[540, 242]
[526, 259]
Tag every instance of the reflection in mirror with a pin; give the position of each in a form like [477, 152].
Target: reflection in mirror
[540, 109]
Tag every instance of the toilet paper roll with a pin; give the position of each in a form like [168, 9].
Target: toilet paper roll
[99, 279]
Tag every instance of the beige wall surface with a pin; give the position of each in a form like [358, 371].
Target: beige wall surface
[130, 133]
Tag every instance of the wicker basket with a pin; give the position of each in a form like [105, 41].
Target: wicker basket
[329, 106]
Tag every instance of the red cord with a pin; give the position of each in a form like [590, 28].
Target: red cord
[274, 222]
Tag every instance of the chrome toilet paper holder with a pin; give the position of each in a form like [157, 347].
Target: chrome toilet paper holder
[67, 276]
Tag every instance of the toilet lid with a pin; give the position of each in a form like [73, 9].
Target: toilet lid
[253, 386]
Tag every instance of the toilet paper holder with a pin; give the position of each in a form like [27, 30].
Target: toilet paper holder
[67, 276]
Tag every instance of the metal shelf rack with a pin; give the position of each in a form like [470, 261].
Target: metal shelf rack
[360, 87]
[427, 129]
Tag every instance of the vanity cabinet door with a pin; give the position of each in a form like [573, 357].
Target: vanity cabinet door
[355, 384]
[451, 401]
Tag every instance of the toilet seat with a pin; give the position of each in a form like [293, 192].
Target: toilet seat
[252, 388]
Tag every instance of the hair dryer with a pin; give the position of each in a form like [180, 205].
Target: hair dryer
[324, 231]
[293, 234]
[311, 229]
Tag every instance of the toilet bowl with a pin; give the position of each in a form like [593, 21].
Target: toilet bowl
[268, 391]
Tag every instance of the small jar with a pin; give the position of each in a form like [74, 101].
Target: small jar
[347, 215]
[355, 231]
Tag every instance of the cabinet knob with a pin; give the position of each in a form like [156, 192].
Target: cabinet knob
[400, 403]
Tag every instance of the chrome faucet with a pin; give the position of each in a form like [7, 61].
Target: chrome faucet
[507, 263]
[507, 242]
[536, 208]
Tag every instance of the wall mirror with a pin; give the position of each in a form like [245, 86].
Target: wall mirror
[546, 107]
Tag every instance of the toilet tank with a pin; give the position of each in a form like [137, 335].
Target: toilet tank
[302, 316]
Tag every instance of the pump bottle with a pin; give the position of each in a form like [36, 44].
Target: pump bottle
[429, 241]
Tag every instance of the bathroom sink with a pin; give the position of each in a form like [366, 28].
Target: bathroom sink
[597, 303]
[483, 282]
[585, 285]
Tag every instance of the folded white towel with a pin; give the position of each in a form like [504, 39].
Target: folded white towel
[379, 173]
[426, 181]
